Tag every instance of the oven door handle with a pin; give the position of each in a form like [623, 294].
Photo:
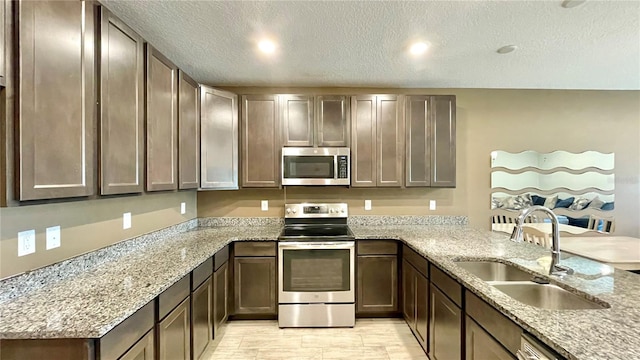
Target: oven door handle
[318, 244]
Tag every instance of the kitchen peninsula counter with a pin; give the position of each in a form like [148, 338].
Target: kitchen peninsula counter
[86, 303]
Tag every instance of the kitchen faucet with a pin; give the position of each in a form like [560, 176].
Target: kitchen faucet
[516, 235]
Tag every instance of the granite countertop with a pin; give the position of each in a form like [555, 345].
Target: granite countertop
[94, 300]
[610, 333]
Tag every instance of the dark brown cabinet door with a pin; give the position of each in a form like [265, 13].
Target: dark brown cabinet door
[218, 139]
[3, 49]
[363, 141]
[201, 329]
[443, 141]
[260, 141]
[56, 99]
[174, 334]
[142, 350]
[445, 327]
[377, 284]
[418, 141]
[408, 294]
[296, 120]
[377, 141]
[332, 120]
[188, 132]
[479, 345]
[220, 295]
[162, 122]
[255, 285]
[390, 141]
[121, 107]
[422, 309]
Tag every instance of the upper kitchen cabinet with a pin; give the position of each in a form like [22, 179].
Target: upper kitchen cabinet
[219, 139]
[162, 122]
[377, 141]
[188, 132]
[430, 139]
[260, 141]
[121, 107]
[56, 99]
[332, 120]
[3, 33]
[314, 121]
[296, 119]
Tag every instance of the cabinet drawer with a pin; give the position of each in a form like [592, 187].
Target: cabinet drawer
[377, 247]
[498, 325]
[122, 337]
[421, 264]
[173, 296]
[221, 257]
[201, 273]
[444, 282]
[255, 248]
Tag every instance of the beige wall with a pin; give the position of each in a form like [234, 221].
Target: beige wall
[487, 120]
[86, 225]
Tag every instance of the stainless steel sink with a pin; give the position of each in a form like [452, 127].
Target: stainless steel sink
[494, 271]
[546, 296]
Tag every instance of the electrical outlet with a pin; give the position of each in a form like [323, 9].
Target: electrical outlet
[432, 204]
[264, 205]
[126, 221]
[53, 237]
[367, 204]
[26, 242]
[183, 208]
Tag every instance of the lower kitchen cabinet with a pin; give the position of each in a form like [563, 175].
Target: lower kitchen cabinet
[174, 334]
[415, 299]
[377, 278]
[445, 327]
[221, 295]
[479, 345]
[142, 350]
[445, 324]
[254, 273]
[201, 327]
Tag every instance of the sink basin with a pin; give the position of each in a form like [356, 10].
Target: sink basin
[494, 271]
[546, 296]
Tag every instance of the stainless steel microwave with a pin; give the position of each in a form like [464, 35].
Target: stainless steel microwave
[316, 166]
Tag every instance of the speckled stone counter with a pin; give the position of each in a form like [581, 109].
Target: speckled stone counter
[93, 301]
[611, 333]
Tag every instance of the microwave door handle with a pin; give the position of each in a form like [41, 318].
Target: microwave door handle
[336, 170]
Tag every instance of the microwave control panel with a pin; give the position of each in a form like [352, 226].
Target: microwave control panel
[343, 166]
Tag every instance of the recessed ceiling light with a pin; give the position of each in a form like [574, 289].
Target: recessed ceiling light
[267, 46]
[418, 48]
[507, 49]
[572, 3]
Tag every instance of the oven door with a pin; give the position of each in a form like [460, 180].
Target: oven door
[316, 272]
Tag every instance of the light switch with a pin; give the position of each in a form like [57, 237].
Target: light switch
[367, 204]
[432, 204]
[183, 208]
[26, 242]
[126, 221]
[53, 237]
[264, 205]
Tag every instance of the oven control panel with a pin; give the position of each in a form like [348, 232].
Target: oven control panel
[310, 210]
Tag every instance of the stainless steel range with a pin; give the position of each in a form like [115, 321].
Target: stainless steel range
[316, 267]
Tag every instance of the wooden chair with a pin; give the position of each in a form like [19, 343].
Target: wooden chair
[535, 236]
[608, 223]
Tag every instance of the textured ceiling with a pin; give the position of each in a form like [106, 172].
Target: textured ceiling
[364, 43]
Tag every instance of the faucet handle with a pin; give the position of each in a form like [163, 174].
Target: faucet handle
[561, 270]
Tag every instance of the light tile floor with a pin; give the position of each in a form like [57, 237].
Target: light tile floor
[370, 339]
